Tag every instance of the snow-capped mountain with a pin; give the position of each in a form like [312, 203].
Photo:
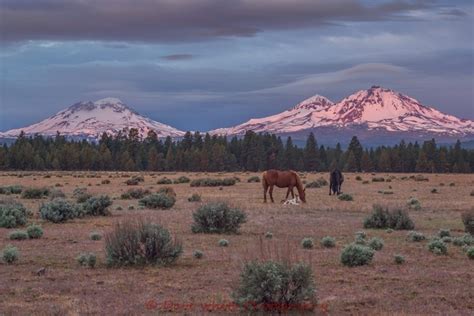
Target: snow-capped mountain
[376, 110]
[92, 119]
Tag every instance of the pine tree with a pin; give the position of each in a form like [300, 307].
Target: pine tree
[311, 154]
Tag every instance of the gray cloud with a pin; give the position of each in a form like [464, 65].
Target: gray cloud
[181, 20]
[178, 57]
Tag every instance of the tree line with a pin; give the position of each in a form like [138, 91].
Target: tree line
[252, 152]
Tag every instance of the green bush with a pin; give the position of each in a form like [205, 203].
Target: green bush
[12, 214]
[11, 189]
[158, 201]
[164, 180]
[198, 254]
[307, 243]
[195, 198]
[81, 195]
[138, 193]
[328, 242]
[10, 254]
[444, 233]
[468, 221]
[356, 255]
[35, 193]
[34, 231]
[59, 210]
[275, 287]
[268, 235]
[384, 218]
[97, 206]
[95, 236]
[470, 253]
[56, 193]
[415, 236]
[253, 179]
[223, 243]
[87, 259]
[209, 182]
[182, 179]
[376, 243]
[413, 204]
[321, 182]
[345, 197]
[18, 235]
[168, 191]
[399, 259]
[447, 239]
[140, 243]
[437, 247]
[217, 218]
[135, 180]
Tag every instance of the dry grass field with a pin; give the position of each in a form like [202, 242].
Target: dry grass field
[425, 284]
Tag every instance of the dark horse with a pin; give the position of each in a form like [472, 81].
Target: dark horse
[335, 181]
[282, 179]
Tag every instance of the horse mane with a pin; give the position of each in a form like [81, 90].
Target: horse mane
[299, 184]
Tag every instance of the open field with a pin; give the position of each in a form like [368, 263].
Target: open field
[425, 284]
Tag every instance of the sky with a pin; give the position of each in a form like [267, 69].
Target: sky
[205, 64]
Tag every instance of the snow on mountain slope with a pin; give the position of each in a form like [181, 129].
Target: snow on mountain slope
[91, 119]
[376, 108]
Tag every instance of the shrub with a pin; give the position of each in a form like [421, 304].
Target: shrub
[10, 254]
[470, 253]
[135, 194]
[140, 243]
[158, 201]
[376, 243]
[415, 236]
[275, 286]
[168, 191]
[34, 231]
[253, 179]
[18, 235]
[164, 180]
[389, 230]
[444, 233]
[384, 218]
[420, 178]
[413, 204]
[356, 255]
[81, 195]
[360, 235]
[11, 189]
[35, 193]
[437, 247]
[195, 198]
[322, 182]
[317, 183]
[434, 190]
[106, 181]
[328, 242]
[345, 197]
[399, 259]
[472, 193]
[358, 178]
[378, 179]
[223, 243]
[468, 221]
[365, 182]
[95, 236]
[452, 184]
[209, 182]
[131, 207]
[59, 210]
[96, 206]
[12, 214]
[87, 259]
[217, 218]
[307, 243]
[268, 235]
[447, 239]
[182, 179]
[198, 254]
[56, 193]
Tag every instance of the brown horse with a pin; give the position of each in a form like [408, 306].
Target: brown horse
[282, 179]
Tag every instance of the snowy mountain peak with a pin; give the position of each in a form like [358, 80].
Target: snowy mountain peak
[316, 102]
[92, 119]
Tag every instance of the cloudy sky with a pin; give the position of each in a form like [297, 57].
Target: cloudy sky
[203, 64]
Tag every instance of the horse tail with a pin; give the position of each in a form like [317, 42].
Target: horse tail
[264, 180]
[299, 184]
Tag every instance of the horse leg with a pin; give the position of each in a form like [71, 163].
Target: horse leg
[330, 187]
[265, 188]
[271, 193]
[292, 193]
[287, 193]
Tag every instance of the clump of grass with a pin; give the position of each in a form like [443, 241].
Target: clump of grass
[420, 177]
[468, 221]
[182, 179]
[415, 236]
[378, 179]
[268, 235]
[382, 217]
[438, 247]
[18, 235]
[81, 195]
[11, 189]
[399, 259]
[443, 232]
[35, 193]
[139, 243]
[447, 239]
[131, 207]
[356, 255]
[254, 179]
[217, 218]
[194, 198]
[470, 253]
[59, 210]
[376, 243]
[365, 182]
[275, 287]
[209, 182]
[158, 201]
[223, 243]
[358, 178]
[97, 206]
[12, 214]
[198, 254]
[118, 208]
[413, 204]
[307, 243]
[389, 230]
[164, 180]
[434, 191]
[34, 231]
[87, 259]
[168, 191]
[95, 236]
[345, 197]
[10, 254]
[137, 193]
[452, 184]
[328, 242]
